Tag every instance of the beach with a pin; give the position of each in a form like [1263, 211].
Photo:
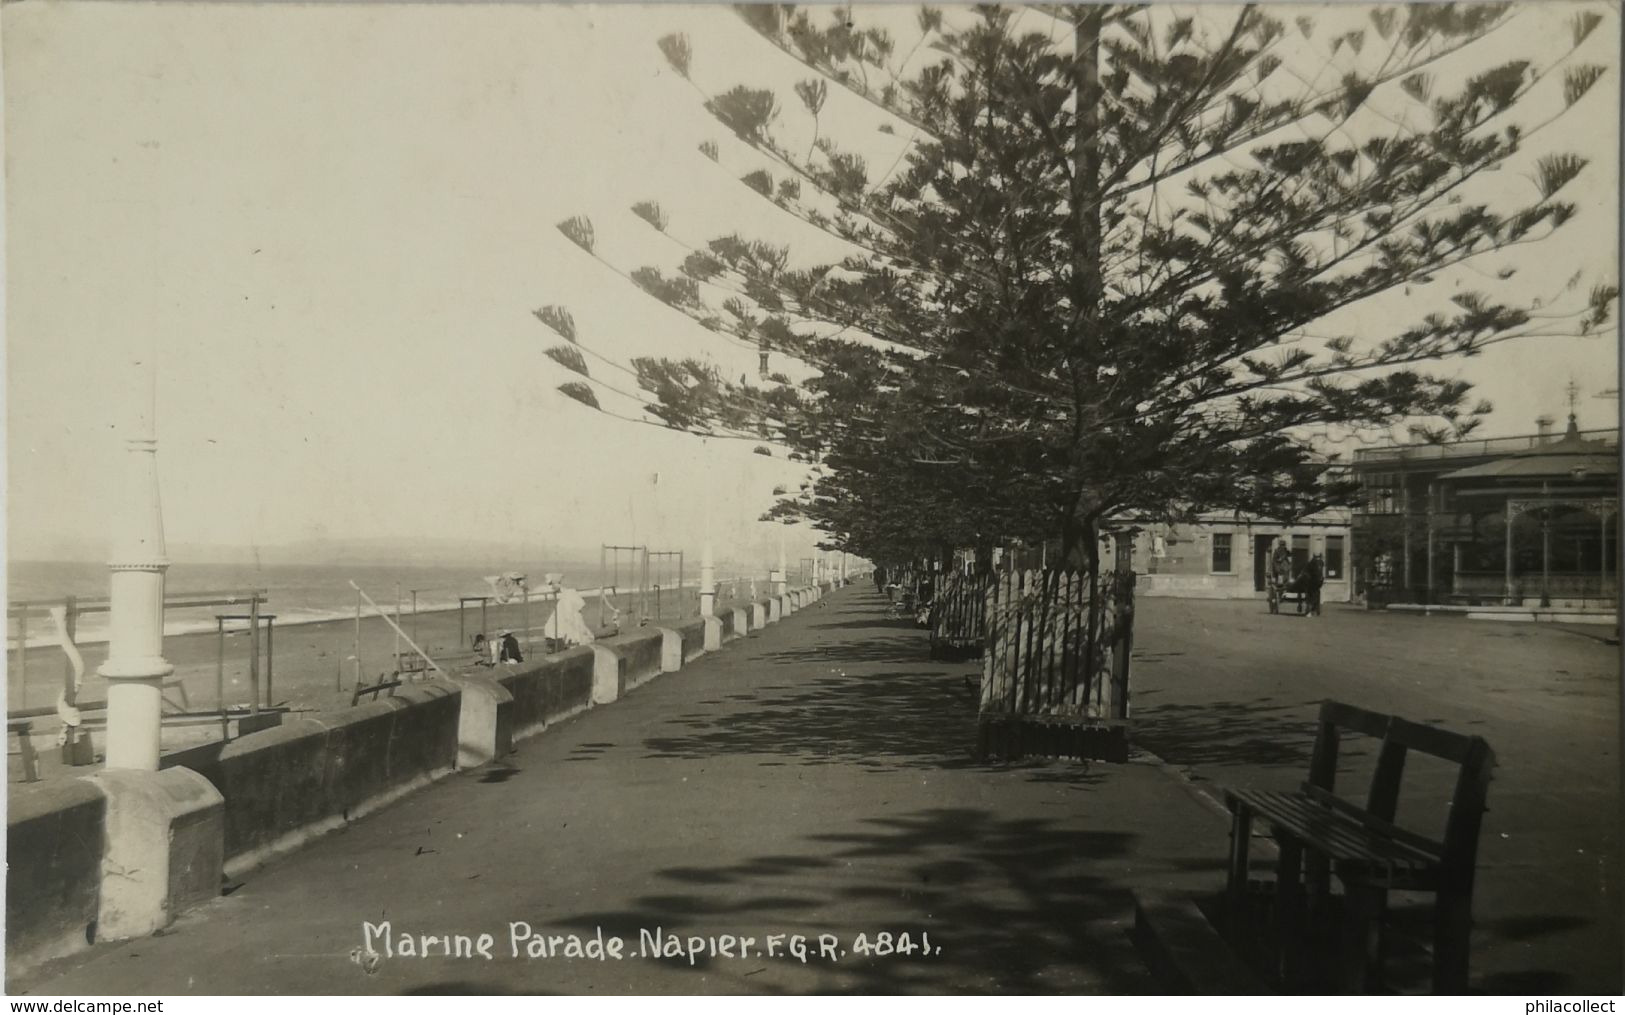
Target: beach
[312, 665]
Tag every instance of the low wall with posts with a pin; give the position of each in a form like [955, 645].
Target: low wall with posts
[243, 802]
[642, 653]
[286, 785]
[54, 833]
[550, 690]
[691, 636]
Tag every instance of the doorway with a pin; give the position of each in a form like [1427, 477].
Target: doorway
[1261, 559]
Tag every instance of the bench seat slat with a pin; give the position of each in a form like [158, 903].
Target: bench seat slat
[1422, 843]
[1321, 828]
[1340, 835]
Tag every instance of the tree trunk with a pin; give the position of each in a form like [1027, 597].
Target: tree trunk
[1086, 165]
[1091, 646]
[984, 558]
[1088, 284]
[1072, 533]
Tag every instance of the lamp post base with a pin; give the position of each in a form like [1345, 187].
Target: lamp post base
[134, 715]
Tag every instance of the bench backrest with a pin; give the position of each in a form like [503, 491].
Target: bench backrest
[1471, 755]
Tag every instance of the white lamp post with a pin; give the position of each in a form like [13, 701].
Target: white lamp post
[135, 666]
[708, 583]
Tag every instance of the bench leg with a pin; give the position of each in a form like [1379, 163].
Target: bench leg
[1317, 885]
[1241, 834]
[1363, 938]
[1289, 910]
[1452, 934]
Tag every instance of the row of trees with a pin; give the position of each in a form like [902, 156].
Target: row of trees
[1115, 267]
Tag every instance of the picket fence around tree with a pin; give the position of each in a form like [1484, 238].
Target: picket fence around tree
[959, 614]
[1055, 664]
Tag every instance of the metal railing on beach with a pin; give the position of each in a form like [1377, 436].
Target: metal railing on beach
[64, 615]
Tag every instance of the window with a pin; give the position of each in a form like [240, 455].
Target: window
[1334, 556]
[1382, 491]
[1221, 553]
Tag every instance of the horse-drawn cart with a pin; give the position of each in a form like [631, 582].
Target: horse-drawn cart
[1302, 589]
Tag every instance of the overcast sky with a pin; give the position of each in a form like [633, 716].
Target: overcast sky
[332, 224]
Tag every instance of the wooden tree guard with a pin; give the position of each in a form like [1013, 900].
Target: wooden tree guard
[959, 615]
[1055, 665]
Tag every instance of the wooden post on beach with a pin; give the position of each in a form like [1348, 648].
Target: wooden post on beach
[22, 652]
[270, 660]
[358, 637]
[524, 613]
[397, 627]
[254, 654]
[220, 676]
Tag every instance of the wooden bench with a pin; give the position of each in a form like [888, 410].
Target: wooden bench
[383, 684]
[1321, 835]
[409, 664]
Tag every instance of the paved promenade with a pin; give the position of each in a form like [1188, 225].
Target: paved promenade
[812, 779]
[816, 778]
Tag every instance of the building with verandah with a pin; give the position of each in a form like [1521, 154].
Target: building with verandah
[1531, 520]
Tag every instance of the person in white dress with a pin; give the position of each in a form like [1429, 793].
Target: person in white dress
[567, 624]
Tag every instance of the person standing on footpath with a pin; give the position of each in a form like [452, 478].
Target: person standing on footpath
[1315, 577]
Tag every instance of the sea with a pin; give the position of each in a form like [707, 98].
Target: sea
[294, 593]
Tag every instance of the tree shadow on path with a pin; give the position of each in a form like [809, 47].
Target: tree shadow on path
[873, 700]
[907, 719]
[1014, 905]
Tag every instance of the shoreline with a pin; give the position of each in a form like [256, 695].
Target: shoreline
[314, 664]
[298, 619]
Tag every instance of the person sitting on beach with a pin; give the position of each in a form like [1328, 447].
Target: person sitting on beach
[509, 649]
[482, 654]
